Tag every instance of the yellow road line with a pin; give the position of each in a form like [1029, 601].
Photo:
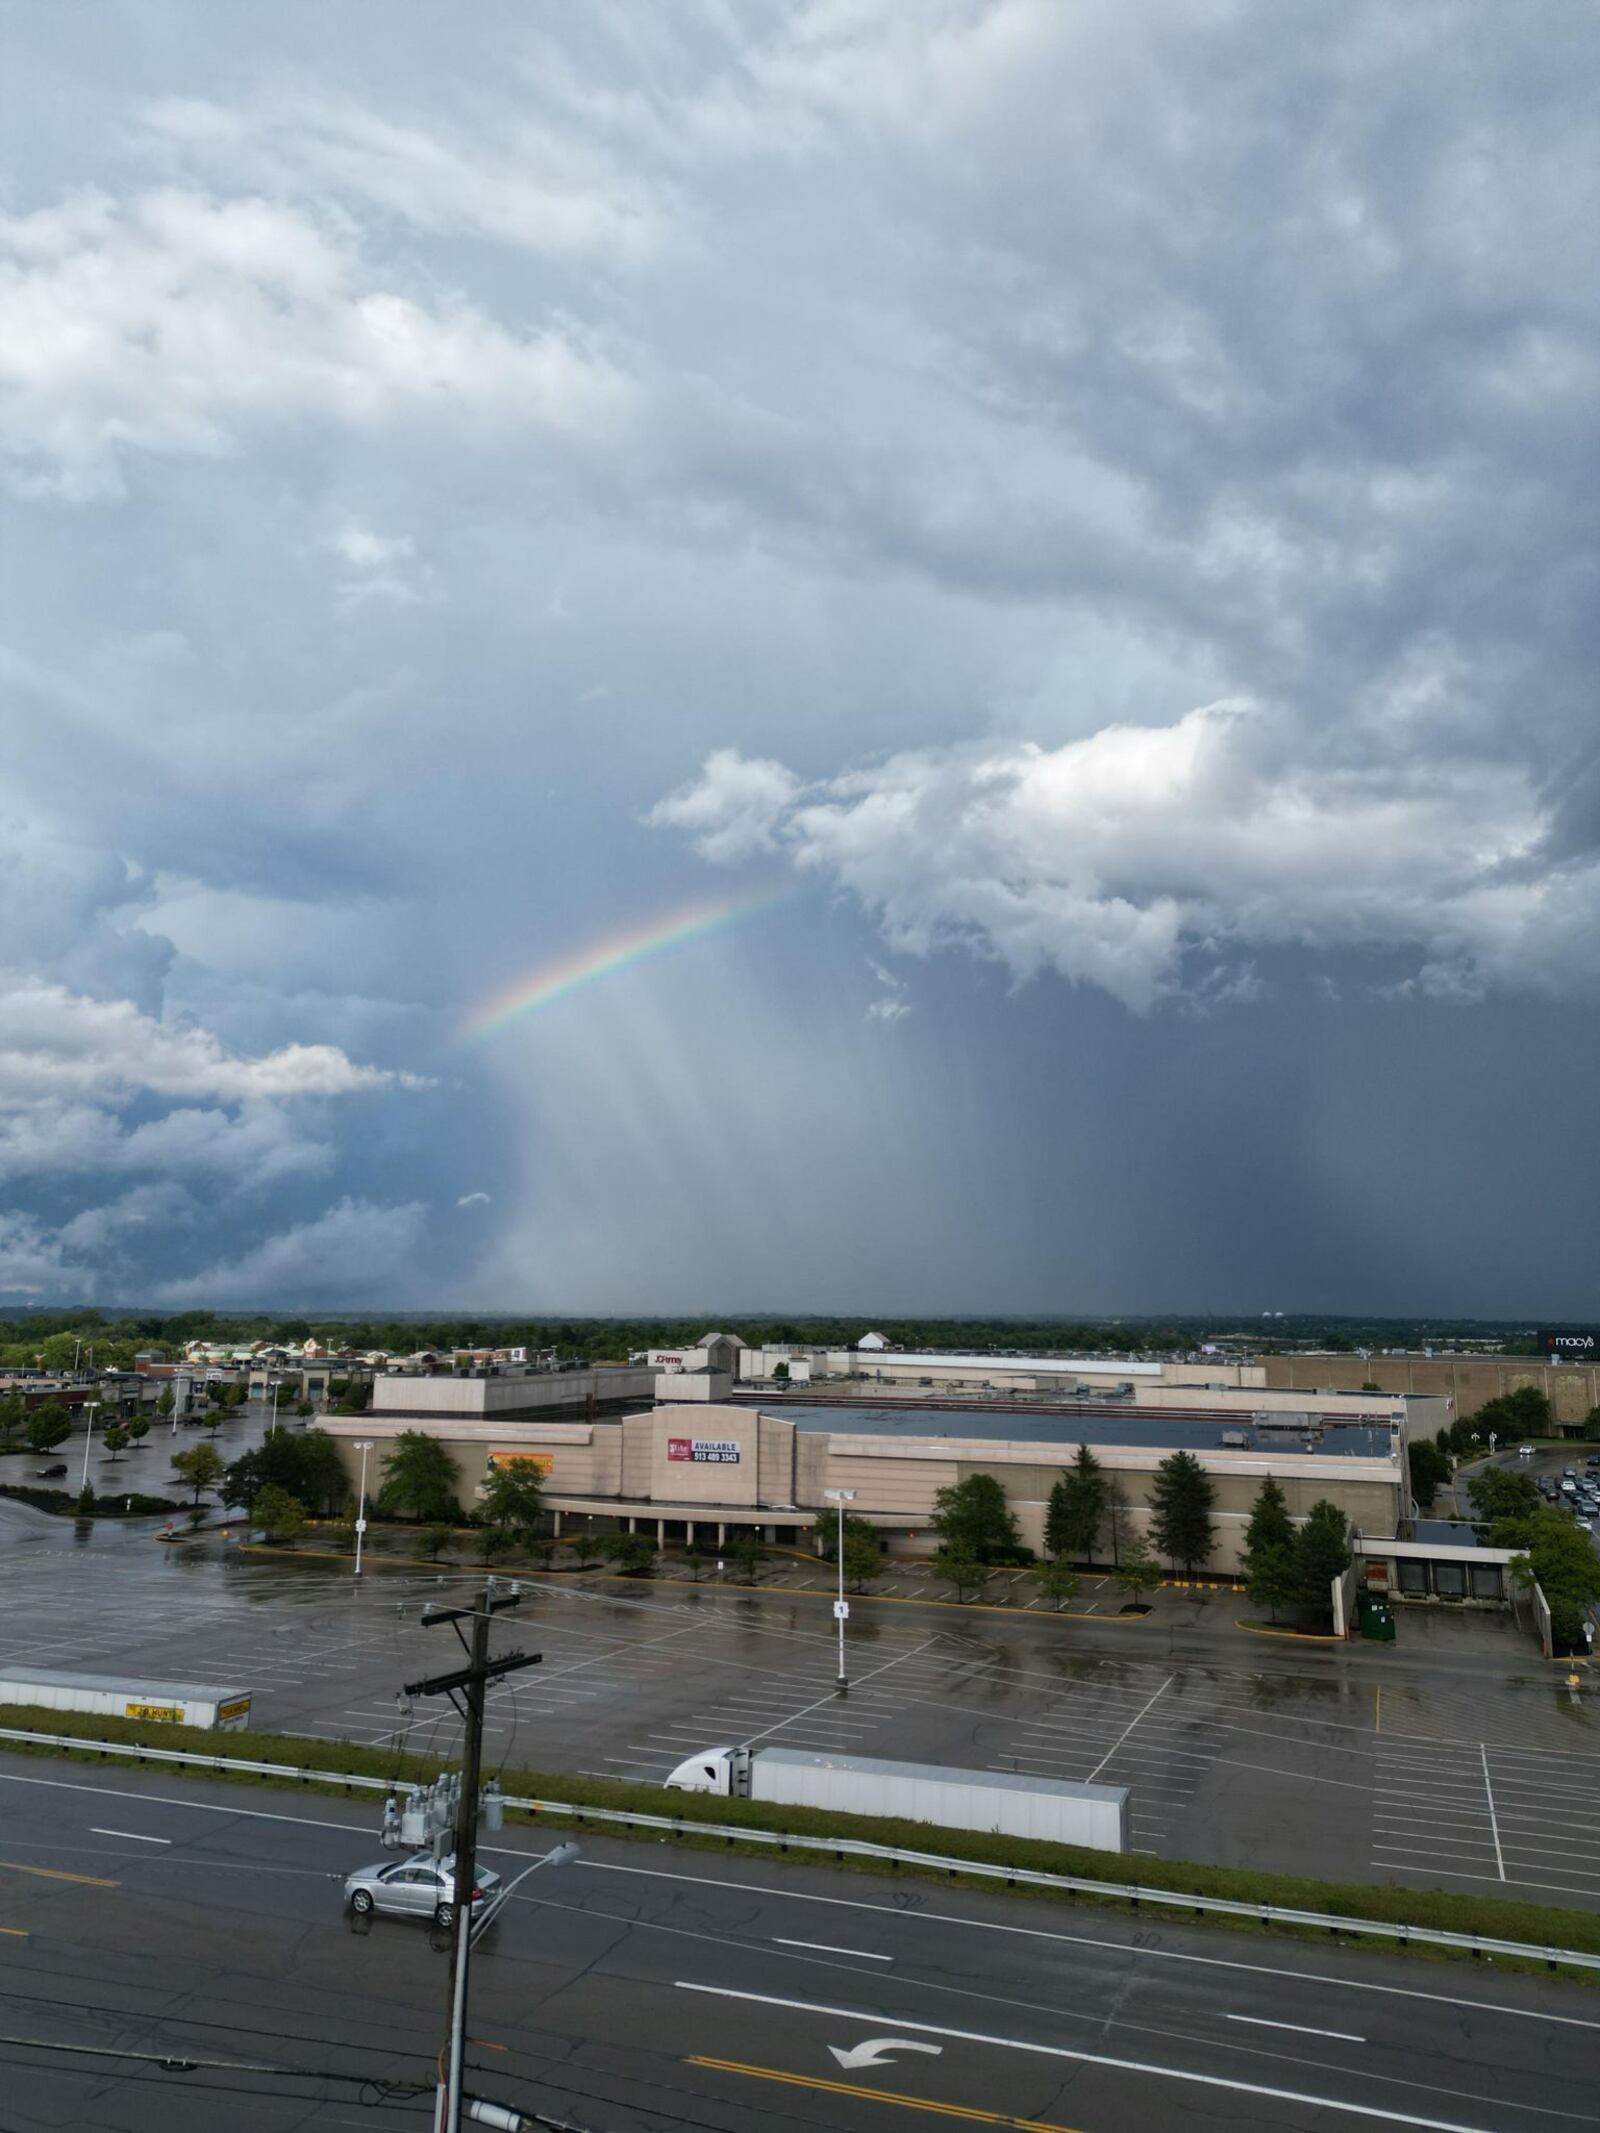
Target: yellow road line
[15, 1932]
[906, 2103]
[54, 1873]
[1295, 1636]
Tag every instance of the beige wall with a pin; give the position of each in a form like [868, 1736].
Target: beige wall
[894, 1480]
[1572, 1388]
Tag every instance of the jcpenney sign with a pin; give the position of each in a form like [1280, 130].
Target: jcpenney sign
[705, 1451]
[1580, 1347]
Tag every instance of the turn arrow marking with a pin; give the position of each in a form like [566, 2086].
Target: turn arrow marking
[873, 2052]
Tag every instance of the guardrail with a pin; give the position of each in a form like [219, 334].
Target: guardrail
[1134, 1894]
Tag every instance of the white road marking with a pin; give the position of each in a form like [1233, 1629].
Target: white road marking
[1494, 1823]
[1086, 1940]
[132, 1835]
[1300, 2029]
[823, 1947]
[1083, 2058]
[1127, 1729]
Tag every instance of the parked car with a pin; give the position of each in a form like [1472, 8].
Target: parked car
[416, 1887]
[50, 1473]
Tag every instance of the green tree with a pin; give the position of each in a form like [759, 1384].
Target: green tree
[633, 1553]
[1270, 1524]
[1321, 1554]
[1270, 1576]
[303, 1408]
[1076, 1509]
[199, 1469]
[1497, 1494]
[827, 1534]
[973, 1518]
[282, 1516]
[13, 1414]
[492, 1541]
[115, 1439]
[1118, 1511]
[512, 1498]
[48, 1426]
[138, 1429]
[586, 1546]
[166, 1403]
[694, 1562]
[863, 1558]
[748, 1553]
[1430, 1470]
[435, 1541]
[1057, 1581]
[1182, 1499]
[1591, 1427]
[1138, 1572]
[958, 1566]
[307, 1466]
[419, 1479]
[1558, 1556]
[87, 1501]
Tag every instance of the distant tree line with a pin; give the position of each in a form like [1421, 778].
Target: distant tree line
[53, 1337]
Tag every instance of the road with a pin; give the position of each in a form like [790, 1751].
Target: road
[646, 1990]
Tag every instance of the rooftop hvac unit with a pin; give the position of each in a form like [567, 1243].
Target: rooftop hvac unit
[1235, 1440]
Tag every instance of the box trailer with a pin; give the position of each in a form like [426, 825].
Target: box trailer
[999, 1801]
[173, 1703]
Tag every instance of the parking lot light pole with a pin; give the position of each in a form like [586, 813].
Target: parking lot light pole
[89, 1407]
[363, 1446]
[841, 1606]
[272, 1426]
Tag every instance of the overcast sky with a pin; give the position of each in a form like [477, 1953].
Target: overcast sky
[1074, 522]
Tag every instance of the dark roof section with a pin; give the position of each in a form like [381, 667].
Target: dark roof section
[1140, 1429]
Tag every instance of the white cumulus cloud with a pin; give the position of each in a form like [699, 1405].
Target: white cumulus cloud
[57, 1045]
[1150, 861]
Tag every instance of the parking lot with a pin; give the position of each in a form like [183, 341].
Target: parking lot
[1455, 1758]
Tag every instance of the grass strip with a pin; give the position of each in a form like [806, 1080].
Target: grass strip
[719, 1821]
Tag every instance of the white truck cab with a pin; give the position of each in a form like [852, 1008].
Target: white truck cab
[712, 1770]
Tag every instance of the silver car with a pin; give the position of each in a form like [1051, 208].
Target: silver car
[419, 1887]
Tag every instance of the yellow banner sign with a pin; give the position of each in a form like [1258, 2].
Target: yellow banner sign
[541, 1462]
[170, 1713]
[239, 1708]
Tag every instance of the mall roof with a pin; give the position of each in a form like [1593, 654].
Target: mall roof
[1141, 1429]
[1071, 1366]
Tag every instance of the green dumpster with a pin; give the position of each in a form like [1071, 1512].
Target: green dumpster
[1374, 1620]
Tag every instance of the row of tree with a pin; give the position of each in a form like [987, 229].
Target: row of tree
[1285, 1565]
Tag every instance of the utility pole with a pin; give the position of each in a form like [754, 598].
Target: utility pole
[469, 1684]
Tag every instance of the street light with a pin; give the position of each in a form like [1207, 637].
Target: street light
[273, 1424]
[89, 1407]
[363, 1446]
[841, 1606]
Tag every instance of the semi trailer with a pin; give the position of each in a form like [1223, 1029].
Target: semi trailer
[173, 1703]
[1000, 1801]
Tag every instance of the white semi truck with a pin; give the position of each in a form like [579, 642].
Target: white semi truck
[1000, 1801]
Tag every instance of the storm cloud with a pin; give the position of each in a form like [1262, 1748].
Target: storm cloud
[1080, 518]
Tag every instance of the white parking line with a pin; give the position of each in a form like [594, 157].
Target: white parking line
[1493, 1823]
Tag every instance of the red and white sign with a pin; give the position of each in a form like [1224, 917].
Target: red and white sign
[705, 1451]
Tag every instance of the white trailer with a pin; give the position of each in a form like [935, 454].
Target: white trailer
[998, 1801]
[173, 1703]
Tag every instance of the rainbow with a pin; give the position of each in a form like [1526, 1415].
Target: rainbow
[601, 959]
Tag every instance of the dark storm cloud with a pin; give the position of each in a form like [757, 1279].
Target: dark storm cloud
[1108, 488]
